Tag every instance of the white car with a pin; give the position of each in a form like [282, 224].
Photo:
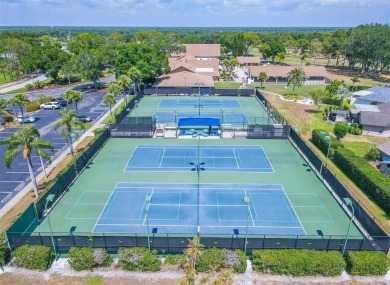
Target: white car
[25, 119]
[50, 105]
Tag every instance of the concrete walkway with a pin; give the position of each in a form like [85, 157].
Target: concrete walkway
[89, 133]
[21, 84]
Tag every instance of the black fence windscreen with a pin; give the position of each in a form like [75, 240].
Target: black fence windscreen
[195, 91]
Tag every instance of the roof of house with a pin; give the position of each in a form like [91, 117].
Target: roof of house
[201, 50]
[365, 107]
[379, 94]
[385, 148]
[384, 108]
[185, 79]
[209, 67]
[281, 71]
[374, 119]
[248, 59]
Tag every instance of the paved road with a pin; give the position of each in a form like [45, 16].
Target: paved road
[22, 84]
[13, 179]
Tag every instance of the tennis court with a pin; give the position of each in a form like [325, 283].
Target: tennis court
[211, 158]
[175, 208]
[237, 118]
[200, 102]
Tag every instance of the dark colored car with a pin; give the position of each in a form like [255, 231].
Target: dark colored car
[83, 118]
[62, 101]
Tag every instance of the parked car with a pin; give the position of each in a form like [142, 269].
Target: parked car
[83, 118]
[50, 105]
[62, 100]
[25, 119]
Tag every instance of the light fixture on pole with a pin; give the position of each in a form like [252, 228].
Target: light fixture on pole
[198, 168]
[50, 199]
[328, 138]
[148, 200]
[348, 202]
[247, 201]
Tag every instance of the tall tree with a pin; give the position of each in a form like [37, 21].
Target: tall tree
[115, 89]
[354, 80]
[90, 66]
[4, 107]
[110, 100]
[68, 125]
[230, 65]
[136, 77]
[124, 81]
[13, 102]
[318, 96]
[296, 78]
[75, 96]
[27, 141]
[21, 100]
[262, 77]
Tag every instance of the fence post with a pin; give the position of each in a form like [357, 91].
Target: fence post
[105, 242]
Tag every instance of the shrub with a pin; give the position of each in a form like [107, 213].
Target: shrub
[236, 260]
[8, 118]
[32, 106]
[298, 262]
[331, 101]
[341, 129]
[173, 259]
[81, 258]
[212, 259]
[101, 257]
[4, 251]
[367, 263]
[367, 178]
[319, 141]
[138, 258]
[29, 86]
[98, 131]
[33, 257]
[293, 97]
[355, 129]
[373, 154]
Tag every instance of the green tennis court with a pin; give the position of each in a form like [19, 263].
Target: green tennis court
[93, 203]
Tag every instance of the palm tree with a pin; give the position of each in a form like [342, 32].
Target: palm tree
[296, 77]
[193, 253]
[262, 77]
[27, 140]
[3, 108]
[115, 89]
[110, 100]
[13, 102]
[124, 81]
[73, 95]
[354, 80]
[21, 100]
[135, 76]
[68, 124]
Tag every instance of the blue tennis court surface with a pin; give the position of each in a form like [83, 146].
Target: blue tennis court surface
[214, 158]
[194, 103]
[215, 208]
[225, 117]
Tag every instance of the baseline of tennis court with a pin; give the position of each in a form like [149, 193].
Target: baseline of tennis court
[199, 102]
[210, 158]
[214, 208]
[225, 117]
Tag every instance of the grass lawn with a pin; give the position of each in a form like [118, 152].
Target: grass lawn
[281, 88]
[227, 84]
[7, 78]
[110, 119]
[20, 90]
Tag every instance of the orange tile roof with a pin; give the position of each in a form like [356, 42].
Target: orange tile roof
[185, 79]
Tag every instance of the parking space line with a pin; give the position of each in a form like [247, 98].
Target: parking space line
[6, 197]
[12, 181]
[17, 172]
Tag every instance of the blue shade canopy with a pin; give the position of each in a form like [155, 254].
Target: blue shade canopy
[199, 122]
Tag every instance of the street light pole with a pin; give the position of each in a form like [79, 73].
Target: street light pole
[49, 199]
[328, 138]
[348, 202]
[148, 200]
[247, 202]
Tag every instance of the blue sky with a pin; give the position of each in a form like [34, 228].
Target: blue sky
[194, 13]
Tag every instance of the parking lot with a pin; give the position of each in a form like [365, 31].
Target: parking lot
[13, 179]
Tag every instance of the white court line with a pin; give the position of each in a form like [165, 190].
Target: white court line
[250, 211]
[6, 197]
[12, 181]
[14, 172]
[104, 207]
[131, 156]
[293, 209]
[148, 206]
[203, 226]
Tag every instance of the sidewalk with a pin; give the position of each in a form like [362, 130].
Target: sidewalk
[21, 84]
[89, 133]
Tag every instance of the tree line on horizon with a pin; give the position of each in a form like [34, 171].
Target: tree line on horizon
[366, 47]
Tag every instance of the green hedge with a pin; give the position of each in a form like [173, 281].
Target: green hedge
[173, 259]
[367, 263]
[33, 257]
[214, 259]
[32, 106]
[87, 258]
[298, 262]
[331, 101]
[367, 178]
[138, 258]
[319, 141]
[4, 251]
